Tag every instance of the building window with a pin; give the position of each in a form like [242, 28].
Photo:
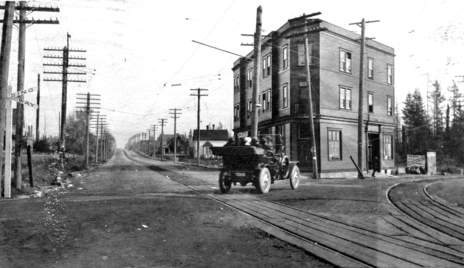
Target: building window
[285, 96]
[345, 61]
[250, 78]
[389, 105]
[267, 65]
[236, 112]
[249, 108]
[285, 57]
[237, 83]
[388, 146]
[389, 74]
[370, 68]
[345, 98]
[266, 97]
[370, 102]
[302, 54]
[335, 139]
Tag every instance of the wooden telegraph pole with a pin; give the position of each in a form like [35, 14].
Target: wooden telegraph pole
[37, 119]
[308, 81]
[23, 21]
[256, 73]
[97, 125]
[64, 80]
[162, 123]
[7, 30]
[199, 95]
[175, 131]
[154, 140]
[361, 24]
[89, 108]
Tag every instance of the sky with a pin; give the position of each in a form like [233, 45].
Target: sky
[141, 59]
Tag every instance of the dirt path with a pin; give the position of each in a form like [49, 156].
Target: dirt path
[126, 215]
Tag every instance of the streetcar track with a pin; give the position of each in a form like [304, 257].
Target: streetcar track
[433, 222]
[361, 246]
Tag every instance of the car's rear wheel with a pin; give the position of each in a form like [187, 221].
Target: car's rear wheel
[263, 183]
[225, 183]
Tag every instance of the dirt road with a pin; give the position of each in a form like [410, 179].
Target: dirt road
[126, 215]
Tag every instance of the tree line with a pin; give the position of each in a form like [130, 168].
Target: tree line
[435, 124]
[75, 138]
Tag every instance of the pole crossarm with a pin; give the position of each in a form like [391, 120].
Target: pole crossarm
[310, 31]
[39, 8]
[32, 21]
[304, 16]
[61, 80]
[51, 72]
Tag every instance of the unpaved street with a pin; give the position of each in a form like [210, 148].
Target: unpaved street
[126, 215]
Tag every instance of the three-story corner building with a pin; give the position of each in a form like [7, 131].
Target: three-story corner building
[335, 67]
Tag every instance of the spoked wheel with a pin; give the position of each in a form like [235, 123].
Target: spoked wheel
[263, 183]
[284, 167]
[225, 182]
[295, 177]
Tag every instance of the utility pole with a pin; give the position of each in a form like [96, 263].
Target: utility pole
[5, 105]
[100, 121]
[199, 95]
[308, 81]
[89, 109]
[37, 119]
[361, 24]
[162, 122]
[175, 131]
[148, 145]
[154, 140]
[64, 73]
[23, 7]
[256, 75]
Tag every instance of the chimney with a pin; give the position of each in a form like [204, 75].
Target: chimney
[213, 126]
[207, 127]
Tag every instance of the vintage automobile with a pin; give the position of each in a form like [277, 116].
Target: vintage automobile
[258, 164]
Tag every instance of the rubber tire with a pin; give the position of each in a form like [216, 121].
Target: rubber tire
[295, 177]
[223, 185]
[263, 183]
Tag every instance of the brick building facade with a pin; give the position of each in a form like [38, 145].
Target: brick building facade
[335, 66]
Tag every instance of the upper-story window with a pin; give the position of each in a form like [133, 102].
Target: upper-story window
[370, 102]
[237, 112]
[237, 83]
[389, 74]
[285, 96]
[266, 97]
[249, 78]
[370, 68]
[267, 65]
[302, 54]
[345, 98]
[285, 57]
[345, 61]
[389, 105]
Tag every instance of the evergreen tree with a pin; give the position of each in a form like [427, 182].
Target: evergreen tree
[414, 118]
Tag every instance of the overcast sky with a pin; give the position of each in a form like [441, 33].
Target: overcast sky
[139, 49]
